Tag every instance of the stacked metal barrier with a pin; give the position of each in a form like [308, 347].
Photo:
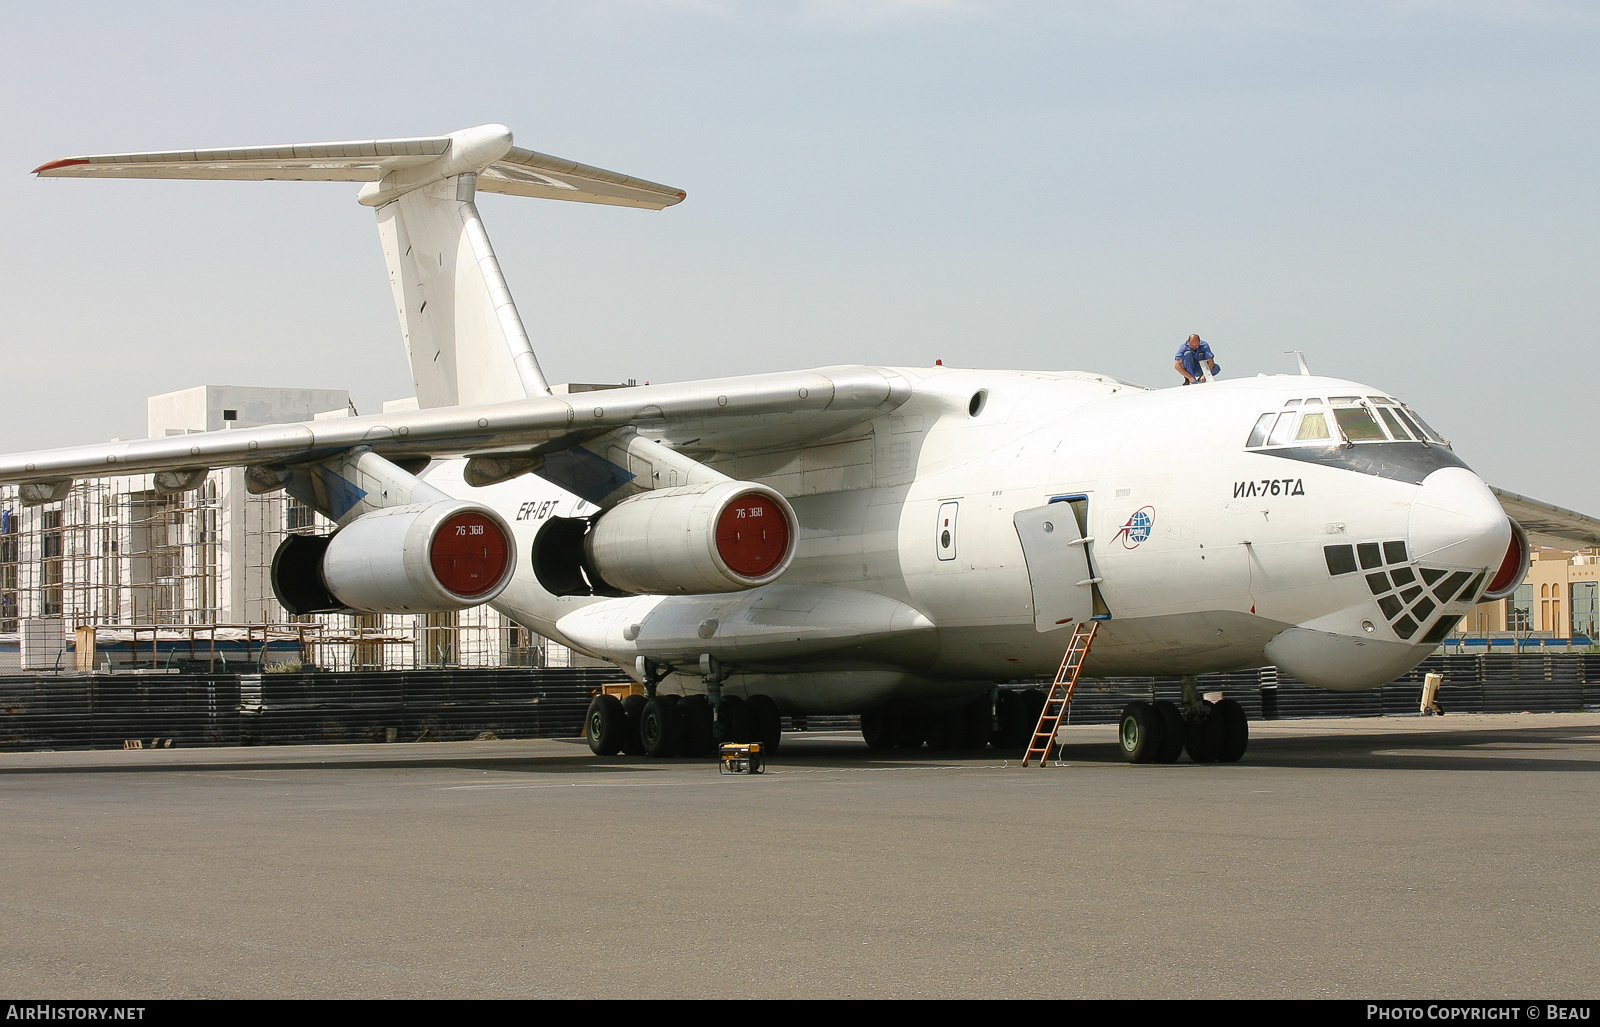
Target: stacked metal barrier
[97, 711]
[108, 710]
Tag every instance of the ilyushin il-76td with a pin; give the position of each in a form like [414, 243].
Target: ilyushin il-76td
[893, 542]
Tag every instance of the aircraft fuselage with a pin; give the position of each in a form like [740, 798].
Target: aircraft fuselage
[1202, 553]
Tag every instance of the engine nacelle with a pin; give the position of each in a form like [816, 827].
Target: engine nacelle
[724, 536]
[423, 558]
[1513, 567]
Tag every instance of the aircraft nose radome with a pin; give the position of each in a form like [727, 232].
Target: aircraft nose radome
[1456, 520]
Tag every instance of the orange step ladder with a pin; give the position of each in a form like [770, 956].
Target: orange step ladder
[1055, 704]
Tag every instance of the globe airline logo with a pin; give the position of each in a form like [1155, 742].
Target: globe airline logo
[1138, 527]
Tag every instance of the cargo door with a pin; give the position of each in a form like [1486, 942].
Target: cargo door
[1058, 566]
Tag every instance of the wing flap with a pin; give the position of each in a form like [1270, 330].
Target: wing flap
[1550, 525]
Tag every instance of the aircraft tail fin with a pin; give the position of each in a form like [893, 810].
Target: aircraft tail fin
[463, 335]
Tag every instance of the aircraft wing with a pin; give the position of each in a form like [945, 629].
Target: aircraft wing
[1549, 525]
[745, 413]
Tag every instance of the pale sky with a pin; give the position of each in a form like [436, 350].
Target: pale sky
[1407, 191]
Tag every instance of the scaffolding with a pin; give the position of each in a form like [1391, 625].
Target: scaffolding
[118, 555]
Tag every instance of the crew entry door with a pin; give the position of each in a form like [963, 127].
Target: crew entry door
[1058, 566]
[944, 531]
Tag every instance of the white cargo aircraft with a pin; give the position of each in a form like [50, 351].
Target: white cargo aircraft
[888, 541]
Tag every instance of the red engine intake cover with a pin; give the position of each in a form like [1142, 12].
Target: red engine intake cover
[469, 554]
[1506, 576]
[752, 535]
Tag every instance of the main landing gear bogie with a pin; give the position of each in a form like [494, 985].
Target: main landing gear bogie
[679, 725]
[1157, 732]
[968, 728]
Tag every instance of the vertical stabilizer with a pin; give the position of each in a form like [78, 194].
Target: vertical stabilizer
[462, 331]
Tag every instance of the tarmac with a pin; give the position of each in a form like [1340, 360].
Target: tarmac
[1451, 858]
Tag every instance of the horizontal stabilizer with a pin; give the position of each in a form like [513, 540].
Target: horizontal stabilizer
[501, 169]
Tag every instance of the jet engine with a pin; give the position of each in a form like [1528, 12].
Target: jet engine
[422, 558]
[724, 536]
[1513, 568]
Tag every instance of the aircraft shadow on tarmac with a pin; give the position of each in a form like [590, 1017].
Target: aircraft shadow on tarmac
[1472, 749]
[1548, 748]
[1478, 750]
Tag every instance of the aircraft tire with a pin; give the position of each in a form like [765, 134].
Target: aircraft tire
[632, 740]
[1204, 735]
[911, 729]
[877, 729]
[1012, 714]
[946, 729]
[734, 717]
[979, 727]
[698, 736]
[1033, 700]
[1019, 717]
[766, 723]
[1139, 732]
[1235, 730]
[661, 726]
[604, 725]
[1172, 731]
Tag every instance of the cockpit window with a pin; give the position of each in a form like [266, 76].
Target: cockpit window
[1356, 419]
[1283, 431]
[1432, 435]
[1410, 423]
[1395, 428]
[1313, 427]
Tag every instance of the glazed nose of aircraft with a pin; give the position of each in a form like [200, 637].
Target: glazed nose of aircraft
[1457, 522]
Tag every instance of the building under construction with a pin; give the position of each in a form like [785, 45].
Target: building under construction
[123, 574]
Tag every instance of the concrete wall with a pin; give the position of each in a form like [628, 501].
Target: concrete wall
[202, 407]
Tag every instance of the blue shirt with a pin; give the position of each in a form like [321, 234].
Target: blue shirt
[1191, 358]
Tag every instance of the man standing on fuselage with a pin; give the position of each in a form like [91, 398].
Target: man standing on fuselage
[1189, 357]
